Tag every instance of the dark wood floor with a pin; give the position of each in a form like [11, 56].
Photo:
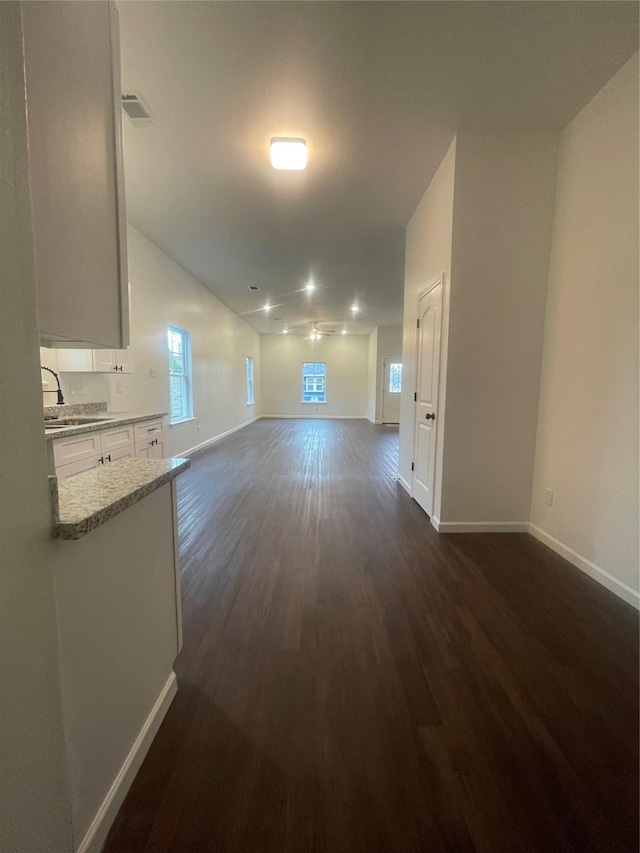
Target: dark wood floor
[353, 682]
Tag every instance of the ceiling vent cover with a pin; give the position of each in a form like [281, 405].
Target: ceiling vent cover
[135, 107]
[253, 287]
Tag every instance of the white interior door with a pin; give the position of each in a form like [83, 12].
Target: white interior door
[391, 388]
[428, 369]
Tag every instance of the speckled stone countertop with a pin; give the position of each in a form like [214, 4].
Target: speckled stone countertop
[88, 500]
[104, 420]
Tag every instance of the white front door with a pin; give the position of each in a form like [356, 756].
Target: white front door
[428, 367]
[391, 388]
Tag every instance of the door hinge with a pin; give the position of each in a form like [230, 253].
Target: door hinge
[412, 465]
[415, 397]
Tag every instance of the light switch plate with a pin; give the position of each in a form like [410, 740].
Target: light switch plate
[548, 497]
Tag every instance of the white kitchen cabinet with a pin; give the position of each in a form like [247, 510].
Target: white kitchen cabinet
[75, 448]
[72, 75]
[72, 469]
[112, 440]
[149, 436]
[95, 361]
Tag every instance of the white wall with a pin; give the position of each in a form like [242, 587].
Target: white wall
[162, 293]
[372, 375]
[34, 796]
[346, 357]
[502, 217]
[587, 443]
[427, 257]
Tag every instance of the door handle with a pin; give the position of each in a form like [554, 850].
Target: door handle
[430, 416]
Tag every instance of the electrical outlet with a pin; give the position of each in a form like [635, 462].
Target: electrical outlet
[118, 387]
[548, 497]
[76, 388]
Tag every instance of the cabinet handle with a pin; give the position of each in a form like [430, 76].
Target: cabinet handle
[101, 460]
[109, 458]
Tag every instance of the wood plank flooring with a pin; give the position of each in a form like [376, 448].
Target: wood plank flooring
[353, 682]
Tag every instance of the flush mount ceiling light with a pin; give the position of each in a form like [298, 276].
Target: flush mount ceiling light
[285, 331]
[267, 307]
[290, 154]
[310, 287]
[355, 309]
[344, 331]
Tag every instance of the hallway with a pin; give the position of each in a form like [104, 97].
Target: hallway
[352, 681]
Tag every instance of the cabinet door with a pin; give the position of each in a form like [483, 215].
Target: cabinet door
[104, 360]
[122, 358]
[76, 447]
[72, 469]
[157, 449]
[75, 360]
[143, 451]
[72, 76]
[127, 452]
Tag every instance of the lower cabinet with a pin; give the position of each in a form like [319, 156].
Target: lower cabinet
[79, 453]
[149, 437]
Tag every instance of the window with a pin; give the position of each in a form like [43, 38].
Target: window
[314, 381]
[181, 408]
[395, 378]
[250, 397]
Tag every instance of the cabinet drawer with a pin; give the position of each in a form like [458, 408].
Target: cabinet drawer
[112, 439]
[148, 429]
[127, 452]
[63, 472]
[75, 448]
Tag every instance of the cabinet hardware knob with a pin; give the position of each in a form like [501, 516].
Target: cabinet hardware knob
[430, 416]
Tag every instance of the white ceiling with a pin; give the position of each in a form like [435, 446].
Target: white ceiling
[376, 88]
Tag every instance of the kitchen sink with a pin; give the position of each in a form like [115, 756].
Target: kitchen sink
[80, 420]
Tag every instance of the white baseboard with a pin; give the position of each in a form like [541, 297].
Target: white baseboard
[618, 587]
[317, 417]
[101, 824]
[406, 486]
[480, 526]
[200, 447]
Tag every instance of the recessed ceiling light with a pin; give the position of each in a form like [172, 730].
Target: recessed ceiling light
[310, 287]
[285, 331]
[288, 154]
[344, 331]
[267, 307]
[355, 309]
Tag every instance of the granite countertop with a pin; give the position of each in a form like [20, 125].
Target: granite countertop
[104, 420]
[84, 502]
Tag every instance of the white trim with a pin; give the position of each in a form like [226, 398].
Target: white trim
[317, 417]
[174, 424]
[200, 447]
[371, 420]
[406, 486]
[435, 522]
[480, 526]
[101, 824]
[602, 576]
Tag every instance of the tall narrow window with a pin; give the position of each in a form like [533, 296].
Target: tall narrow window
[250, 397]
[395, 378]
[314, 382]
[180, 391]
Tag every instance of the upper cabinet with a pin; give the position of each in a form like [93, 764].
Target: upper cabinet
[72, 70]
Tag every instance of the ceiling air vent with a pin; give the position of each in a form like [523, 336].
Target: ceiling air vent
[136, 109]
[253, 287]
